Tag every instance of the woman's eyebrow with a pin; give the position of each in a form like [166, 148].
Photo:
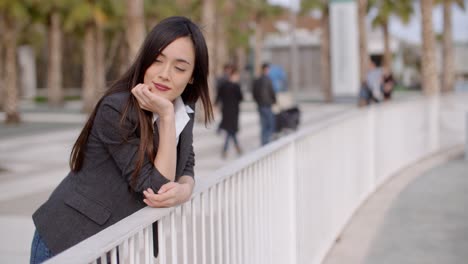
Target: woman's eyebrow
[182, 60]
[177, 59]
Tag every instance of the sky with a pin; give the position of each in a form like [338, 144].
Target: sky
[412, 31]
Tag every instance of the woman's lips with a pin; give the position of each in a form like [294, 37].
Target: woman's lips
[161, 87]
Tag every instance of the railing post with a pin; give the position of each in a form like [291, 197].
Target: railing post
[466, 136]
[293, 249]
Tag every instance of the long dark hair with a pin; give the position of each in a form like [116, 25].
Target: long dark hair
[159, 38]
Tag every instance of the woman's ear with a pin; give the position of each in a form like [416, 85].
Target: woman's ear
[191, 80]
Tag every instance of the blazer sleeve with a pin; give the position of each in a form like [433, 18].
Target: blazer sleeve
[122, 142]
[186, 145]
[188, 170]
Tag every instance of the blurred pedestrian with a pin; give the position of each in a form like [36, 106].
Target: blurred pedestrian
[374, 81]
[224, 77]
[371, 88]
[136, 147]
[265, 97]
[221, 81]
[388, 83]
[230, 97]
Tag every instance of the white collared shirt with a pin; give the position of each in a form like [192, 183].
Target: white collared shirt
[181, 116]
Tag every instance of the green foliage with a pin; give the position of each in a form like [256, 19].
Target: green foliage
[459, 3]
[106, 13]
[308, 5]
[40, 99]
[43, 99]
[81, 14]
[403, 9]
[15, 10]
[160, 9]
[400, 87]
[236, 25]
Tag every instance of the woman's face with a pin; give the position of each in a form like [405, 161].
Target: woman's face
[172, 69]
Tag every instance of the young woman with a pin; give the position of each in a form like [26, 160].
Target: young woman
[136, 147]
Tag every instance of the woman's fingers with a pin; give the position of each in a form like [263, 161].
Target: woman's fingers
[139, 91]
[166, 187]
[159, 204]
[150, 101]
[165, 199]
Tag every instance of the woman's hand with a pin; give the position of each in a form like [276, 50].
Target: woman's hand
[170, 194]
[152, 102]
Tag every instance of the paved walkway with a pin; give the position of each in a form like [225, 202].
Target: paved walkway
[34, 159]
[419, 216]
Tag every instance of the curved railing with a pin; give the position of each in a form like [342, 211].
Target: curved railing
[286, 202]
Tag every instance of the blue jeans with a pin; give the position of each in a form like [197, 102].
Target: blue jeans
[39, 250]
[267, 120]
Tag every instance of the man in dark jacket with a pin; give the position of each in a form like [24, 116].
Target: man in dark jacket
[264, 95]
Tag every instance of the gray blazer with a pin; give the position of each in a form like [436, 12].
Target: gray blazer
[100, 194]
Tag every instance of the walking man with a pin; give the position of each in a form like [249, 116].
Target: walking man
[264, 96]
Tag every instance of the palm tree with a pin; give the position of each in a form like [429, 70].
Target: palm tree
[11, 92]
[323, 6]
[90, 89]
[221, 39]
[15, 16]
[448, 68]
[258, 40]
[89, 18]
[154, 10]
[135, 30]
[208, 22]
[364, 58]
[52, 13]
[385, 9]
[236, 31]
[261, 11]
[2, 96]
[54, 76]
[430, 80]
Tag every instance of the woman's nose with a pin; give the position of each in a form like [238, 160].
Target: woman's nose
[164, 72]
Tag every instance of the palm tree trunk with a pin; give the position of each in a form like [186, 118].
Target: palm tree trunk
[387, 52]
[2, 64]
[448, 67]
[362, 12]
[208, 19]
[112, 55]
[258, 45]
[222, 56]
[100, 62]
[135, 27]
[89, 69]
[11, 89]
[430, 80]
[325, 56]
[241, 58]
[123, 58]
[54, 71]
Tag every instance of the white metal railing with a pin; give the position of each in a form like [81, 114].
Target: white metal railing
[288, 201]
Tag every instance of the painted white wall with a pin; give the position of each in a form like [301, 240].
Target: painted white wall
[27, 66]
[344, 48]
